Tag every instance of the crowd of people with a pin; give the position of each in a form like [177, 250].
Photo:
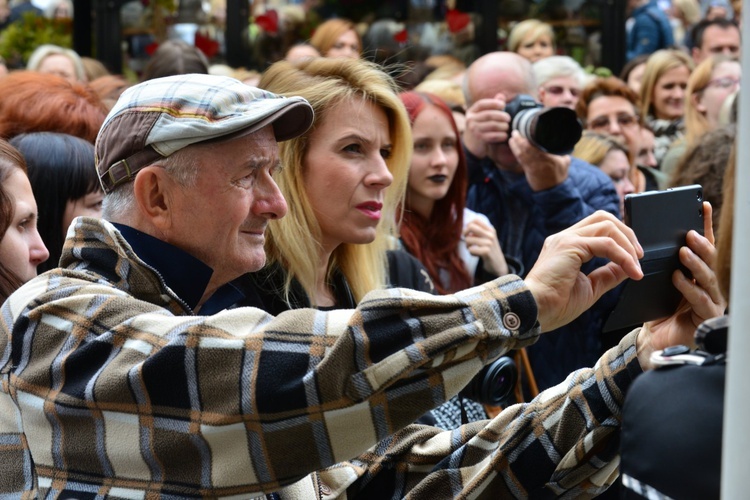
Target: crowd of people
[226, 282]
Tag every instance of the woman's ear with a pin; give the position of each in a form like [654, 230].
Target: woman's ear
[697, 98]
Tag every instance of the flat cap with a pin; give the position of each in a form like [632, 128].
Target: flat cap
[158, 117]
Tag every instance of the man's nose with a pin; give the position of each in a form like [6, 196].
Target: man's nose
[269, 201]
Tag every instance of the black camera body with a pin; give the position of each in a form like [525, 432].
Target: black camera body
[553, 130]
[494, 383]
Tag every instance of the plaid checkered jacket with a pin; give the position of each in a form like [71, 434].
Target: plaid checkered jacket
[111, 386]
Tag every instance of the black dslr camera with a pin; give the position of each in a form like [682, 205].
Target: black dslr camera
[553, 130]
[494, 383]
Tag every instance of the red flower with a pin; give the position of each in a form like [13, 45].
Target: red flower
[456, 20]
[206, 45]
[269, 21]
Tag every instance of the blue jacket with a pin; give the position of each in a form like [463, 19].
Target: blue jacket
[650, 31]
[523, 219]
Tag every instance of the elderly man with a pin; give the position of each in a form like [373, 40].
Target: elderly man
[528, 195]
[125, 376]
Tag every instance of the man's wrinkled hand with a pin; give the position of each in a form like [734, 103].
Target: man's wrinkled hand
[561, 290]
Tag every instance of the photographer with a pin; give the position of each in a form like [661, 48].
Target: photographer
[529, 194]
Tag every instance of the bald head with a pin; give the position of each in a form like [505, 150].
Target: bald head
[495, 73]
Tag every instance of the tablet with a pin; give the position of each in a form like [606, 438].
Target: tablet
[661, 221]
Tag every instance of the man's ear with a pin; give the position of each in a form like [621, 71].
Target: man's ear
[695, 53]
[152, 189]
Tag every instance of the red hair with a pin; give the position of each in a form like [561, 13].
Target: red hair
[36, 102]
[435, 242]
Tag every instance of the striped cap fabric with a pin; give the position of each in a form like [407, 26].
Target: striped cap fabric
[158, 117]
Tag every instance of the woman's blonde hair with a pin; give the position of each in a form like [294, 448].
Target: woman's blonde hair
[724, 239]
[657, 64]
[328, 33]
[696, 124]
[294, 241]
[593, 147]
[530, 28]
[46, 50]
[450, 92]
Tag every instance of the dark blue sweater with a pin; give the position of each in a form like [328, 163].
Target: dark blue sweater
[523, 219]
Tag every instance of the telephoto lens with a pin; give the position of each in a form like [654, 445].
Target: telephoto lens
[494, 383]
[553, 130]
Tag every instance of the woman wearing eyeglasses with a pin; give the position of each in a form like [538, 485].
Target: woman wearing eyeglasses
[609, 106]
[712, 81]
[560, 80]
[663, 93]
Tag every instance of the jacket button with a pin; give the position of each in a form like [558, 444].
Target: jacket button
[511, 321]
[324, 489]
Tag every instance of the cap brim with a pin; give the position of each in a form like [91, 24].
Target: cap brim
[288, 122]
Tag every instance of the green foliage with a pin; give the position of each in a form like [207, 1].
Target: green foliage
[601, 71]
[19, 39]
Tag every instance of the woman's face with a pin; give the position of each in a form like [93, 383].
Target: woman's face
[645, 156]
[635, 76]
[668, 100]
[21, 248]
[90, 205]
[434, 161]
[615, 115]
[537, 48]
[725, 79]
[345, 172]
[617, 167]
[60, 65]
[347, 45]
[561, 91]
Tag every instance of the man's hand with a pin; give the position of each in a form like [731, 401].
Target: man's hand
[481, 240]
[486, 123]
[543, 170]
[561, 290]
[702, 298]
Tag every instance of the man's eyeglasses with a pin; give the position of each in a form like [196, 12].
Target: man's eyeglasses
[726, 82]
[559, 90]
[604, 122]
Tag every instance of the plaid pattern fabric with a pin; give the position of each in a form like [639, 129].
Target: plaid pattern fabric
[158, 117]
[112, 386]
[563, 444]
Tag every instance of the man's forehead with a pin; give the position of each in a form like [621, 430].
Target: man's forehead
[255, 149]
[507, 82]
[718, 35]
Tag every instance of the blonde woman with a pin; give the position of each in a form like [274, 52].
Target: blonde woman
[612, 157]
[684, 15]
[343, 180]
[337, 38]
[532, 39]
[51, 59]
[452, 94]
[709, 86]
[663, 91]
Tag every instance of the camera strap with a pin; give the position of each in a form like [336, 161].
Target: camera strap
[464, 417]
